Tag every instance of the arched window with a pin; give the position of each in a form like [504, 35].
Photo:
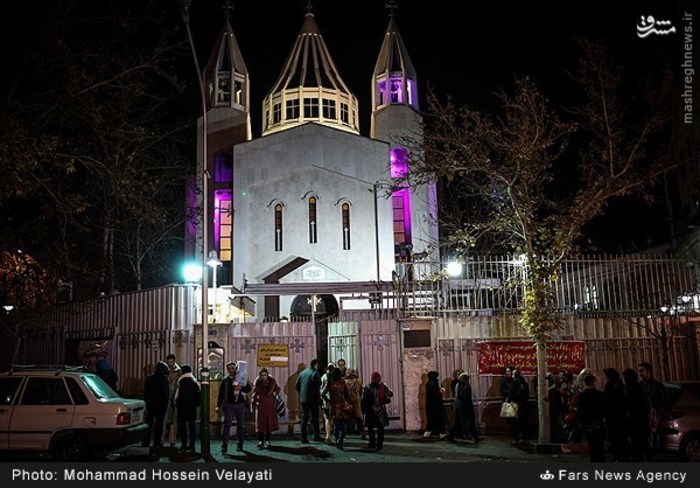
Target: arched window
[223, 167]
[313, 236]
[278, 227]
[401, 204]
[223, 223]
[346, 226]
[223, 88]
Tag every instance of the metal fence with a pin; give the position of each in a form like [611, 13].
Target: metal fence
[591, 284]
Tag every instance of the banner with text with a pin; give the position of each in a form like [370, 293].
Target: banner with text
[494, 356]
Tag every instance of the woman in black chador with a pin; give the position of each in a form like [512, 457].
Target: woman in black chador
[637, 408]
[520, 394]
[614, 391]
[434, 409]
[463, 414]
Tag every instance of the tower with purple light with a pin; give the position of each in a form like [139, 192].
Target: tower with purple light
[395, 119]
[227, 88]
[304, 202]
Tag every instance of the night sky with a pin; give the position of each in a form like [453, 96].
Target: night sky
[466, 55]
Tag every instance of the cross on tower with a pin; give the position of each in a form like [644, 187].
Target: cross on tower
[227, 6]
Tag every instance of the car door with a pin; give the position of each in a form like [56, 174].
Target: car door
[44, 408]
[9, 387]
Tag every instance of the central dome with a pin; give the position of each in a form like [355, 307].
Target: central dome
[309, 89]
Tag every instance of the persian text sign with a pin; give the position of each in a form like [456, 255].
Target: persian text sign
[494, 356]
[273, 355]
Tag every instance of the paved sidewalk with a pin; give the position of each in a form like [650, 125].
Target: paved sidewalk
[398, 447]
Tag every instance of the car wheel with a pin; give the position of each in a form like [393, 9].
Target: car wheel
[70, 448]
[690, 448]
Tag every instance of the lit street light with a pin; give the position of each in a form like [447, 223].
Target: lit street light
[214, 262]
[204, 380]
[454, 268]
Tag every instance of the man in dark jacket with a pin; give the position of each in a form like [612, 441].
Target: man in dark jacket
[156, 394]
[591, 413]
[309, 387]
[658, 399]
[232, 402]
[108, 374]
[187, 399]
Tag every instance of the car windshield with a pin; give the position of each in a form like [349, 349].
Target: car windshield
[673, 392]
[99, 388]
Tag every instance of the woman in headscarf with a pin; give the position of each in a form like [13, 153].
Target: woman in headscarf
[463, 414]
[186, 399]
[520, 394]
[325, 406]
[355, 388]
[434, 408]
[375, 397]
[338, 396]
[637, 408]
[265, 390]
[614, 391]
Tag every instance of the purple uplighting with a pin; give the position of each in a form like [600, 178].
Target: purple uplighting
[401, 199]
[399, 162]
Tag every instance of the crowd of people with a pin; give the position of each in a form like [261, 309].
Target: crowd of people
[342, 401]
[172, 395]
[624, 411]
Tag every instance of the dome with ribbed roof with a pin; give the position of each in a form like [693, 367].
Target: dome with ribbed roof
[309, 89]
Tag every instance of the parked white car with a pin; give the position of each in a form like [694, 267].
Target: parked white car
[679, 430]
[71, 414]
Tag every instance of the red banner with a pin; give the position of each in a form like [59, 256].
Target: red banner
[494, 356]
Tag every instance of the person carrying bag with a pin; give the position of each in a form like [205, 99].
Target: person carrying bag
[509, 410]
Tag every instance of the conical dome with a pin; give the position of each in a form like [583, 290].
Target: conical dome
[309, 89]
[225, 75]
[394, 77]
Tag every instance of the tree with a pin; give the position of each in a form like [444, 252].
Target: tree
[25, 288]
[89, 145]
[531, 176]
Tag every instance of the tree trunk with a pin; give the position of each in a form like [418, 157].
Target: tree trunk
[15, 352]
[665, 360]
[542, 410]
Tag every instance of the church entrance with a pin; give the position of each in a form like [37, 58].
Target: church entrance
[319, 309]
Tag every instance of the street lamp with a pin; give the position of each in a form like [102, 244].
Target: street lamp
[454, 268]
[204, 380]
[214, 262]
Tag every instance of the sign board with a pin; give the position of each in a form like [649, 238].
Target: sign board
[276, 355]
[494, 356]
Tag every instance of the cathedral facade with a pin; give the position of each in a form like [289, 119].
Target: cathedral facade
[311, 200]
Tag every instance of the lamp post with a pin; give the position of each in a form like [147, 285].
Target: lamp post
[214, 262]
[204, 380]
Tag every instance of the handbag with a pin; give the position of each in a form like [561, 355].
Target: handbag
[346, 407]
[509, 410]
[280, 406]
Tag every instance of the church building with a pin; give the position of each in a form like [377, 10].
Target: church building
[311, 201]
